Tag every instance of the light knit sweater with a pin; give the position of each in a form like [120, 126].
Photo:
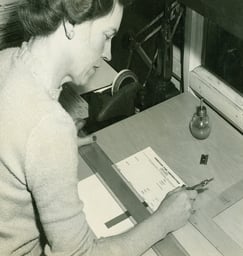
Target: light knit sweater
[38, 165]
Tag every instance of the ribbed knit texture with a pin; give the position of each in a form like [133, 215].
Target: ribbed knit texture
[38, 163]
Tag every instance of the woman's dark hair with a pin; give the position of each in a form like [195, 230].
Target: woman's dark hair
[42, 17]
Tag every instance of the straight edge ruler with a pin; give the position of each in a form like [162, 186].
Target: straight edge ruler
[101, 164]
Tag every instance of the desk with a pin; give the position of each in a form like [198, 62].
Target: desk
[164, 127]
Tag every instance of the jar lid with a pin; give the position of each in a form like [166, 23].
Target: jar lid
[201, 111]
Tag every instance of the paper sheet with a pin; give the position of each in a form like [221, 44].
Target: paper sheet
[149, 176]
[101, 208]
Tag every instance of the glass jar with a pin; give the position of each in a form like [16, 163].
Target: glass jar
[200, 125]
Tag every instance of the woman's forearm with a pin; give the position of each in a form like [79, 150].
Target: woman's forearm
[172, 214]
[134, 242]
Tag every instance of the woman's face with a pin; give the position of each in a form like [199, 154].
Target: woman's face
[91, 44]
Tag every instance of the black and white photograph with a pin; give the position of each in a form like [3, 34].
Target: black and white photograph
[121, 128]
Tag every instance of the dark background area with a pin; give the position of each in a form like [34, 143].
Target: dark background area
[223, 55]
[135, 18]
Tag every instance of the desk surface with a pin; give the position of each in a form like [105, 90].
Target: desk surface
[165, 127]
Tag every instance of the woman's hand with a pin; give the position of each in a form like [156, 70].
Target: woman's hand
[83, 140]
[176, 208]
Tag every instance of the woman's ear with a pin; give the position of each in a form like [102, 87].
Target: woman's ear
[68, 29]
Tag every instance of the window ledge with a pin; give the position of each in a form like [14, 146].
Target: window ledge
[223, 98]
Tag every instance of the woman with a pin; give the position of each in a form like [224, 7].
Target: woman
[38, 153]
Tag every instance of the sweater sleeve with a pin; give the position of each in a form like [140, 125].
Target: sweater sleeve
[51, 174]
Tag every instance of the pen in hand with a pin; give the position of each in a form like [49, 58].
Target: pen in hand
[200, 187]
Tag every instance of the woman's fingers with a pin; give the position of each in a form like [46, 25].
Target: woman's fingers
[82, 141]
[192, 194]
[79, 123]
[175, 190]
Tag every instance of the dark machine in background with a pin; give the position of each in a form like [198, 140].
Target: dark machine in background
[146, 43]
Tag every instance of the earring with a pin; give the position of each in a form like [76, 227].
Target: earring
[68, 32]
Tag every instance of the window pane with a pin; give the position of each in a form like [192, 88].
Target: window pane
[223, 56]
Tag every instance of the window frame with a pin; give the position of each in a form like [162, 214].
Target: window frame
[200, 82]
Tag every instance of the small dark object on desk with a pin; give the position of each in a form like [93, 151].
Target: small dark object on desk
[204, 159]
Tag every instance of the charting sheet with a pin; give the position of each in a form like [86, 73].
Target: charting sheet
[149, 176]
